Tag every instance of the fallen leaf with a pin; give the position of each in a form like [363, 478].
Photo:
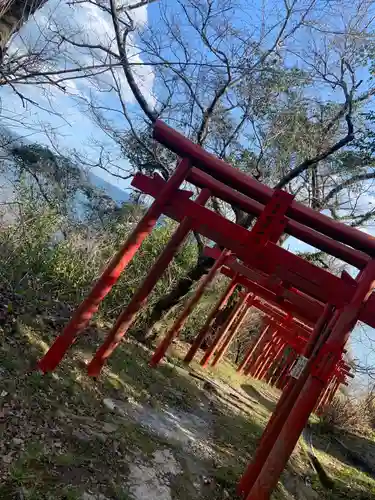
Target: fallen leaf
[7, 459]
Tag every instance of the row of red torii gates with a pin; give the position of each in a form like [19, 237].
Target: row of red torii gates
[308, 312]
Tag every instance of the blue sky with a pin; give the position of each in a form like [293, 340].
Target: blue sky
[70, 126]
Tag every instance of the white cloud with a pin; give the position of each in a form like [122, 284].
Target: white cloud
[88, 24]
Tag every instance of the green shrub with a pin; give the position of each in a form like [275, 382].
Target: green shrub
[49, 256]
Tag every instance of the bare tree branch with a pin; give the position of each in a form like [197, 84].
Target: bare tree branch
[355, 179]
[142, 3]
[349, 137]
[121, 45]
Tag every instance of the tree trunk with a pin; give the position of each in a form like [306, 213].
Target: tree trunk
[12, 16]
[147, 334]
[218, 322]
[172, 298]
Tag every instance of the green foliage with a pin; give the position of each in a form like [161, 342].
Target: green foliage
[39, 260]
[59, 181]
[51, 255]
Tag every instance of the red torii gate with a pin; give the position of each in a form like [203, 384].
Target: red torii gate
[273, 290]
[223, 339]
[290, 334]
[257, 366]
[343, 300]
[339, 377]
[211, 229]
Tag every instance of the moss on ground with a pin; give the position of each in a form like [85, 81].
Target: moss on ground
[58, 440]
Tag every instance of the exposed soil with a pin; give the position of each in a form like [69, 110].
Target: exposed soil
[138, 433]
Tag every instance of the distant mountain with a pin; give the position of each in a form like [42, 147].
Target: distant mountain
[118, 195]
[10, 139]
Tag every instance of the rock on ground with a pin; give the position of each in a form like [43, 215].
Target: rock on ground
[151, 481]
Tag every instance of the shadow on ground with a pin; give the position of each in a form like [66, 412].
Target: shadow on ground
[62, 438]
[134, 433]
[265, 400]
[350, 449]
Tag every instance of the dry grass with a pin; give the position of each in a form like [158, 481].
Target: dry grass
[348, 414]
[55, 442]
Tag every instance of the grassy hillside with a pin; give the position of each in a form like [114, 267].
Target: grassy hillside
[138, 432]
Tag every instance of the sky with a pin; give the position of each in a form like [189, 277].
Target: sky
[70, 126]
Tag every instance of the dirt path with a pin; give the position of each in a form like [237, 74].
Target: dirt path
[134, 434]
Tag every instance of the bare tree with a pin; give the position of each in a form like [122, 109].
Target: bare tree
[247, 84]
[219, 102]
[13, 14]
[40, 58]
